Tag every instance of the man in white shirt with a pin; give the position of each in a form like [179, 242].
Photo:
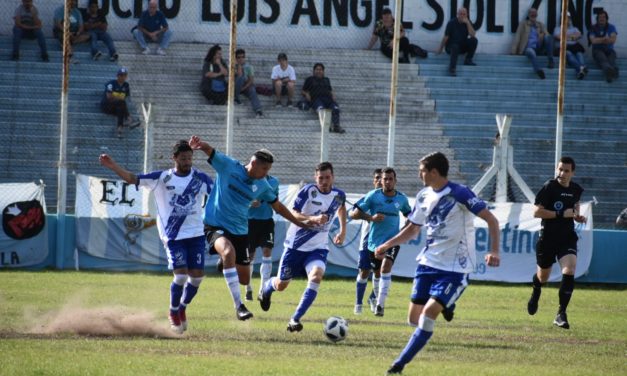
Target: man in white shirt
[283, 79]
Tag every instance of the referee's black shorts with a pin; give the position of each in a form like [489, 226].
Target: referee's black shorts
[550, 249]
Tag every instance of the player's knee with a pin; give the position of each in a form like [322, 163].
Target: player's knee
[412, 322]
[195, 281]
[180, 279]
[282, 285]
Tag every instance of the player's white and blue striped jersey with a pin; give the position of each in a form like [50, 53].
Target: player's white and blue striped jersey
[376, 202]
[264, 210]
[232, 194]
[310, 201]
[179, 202]
[447, 217]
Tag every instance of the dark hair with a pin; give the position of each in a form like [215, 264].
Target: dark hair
[436, 160]
[386, 11]
[318, 65]
[92, 2]
[212, 52]
[323, 166]
[607, 18]
[240, 51]
[282, 56]
[264, 155]
[180, 147]
[377, 171]
[389, 170]
[568, 160]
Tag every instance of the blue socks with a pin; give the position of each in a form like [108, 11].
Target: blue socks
[417, 341]
[306, 300]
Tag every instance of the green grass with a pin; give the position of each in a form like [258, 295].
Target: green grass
[491, 334]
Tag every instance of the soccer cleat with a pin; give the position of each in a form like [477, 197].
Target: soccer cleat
[561, 321]
[264, 301]
[470, 63]
[448, 314]
[373, 304]
[358, 309]
[183, 317]
[532, 304]
[395, 370]
[294, 326]
[379, 311]
[277, 104]
[175, 323]
[249, 295]
[243, 313]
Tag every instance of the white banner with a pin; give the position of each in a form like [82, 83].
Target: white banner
[114, 221]
[24, 239]
[519, 233]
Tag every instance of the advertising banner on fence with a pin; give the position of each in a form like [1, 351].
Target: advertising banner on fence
[114, 220]
[24, 237]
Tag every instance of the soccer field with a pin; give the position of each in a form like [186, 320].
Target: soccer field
[490, 335]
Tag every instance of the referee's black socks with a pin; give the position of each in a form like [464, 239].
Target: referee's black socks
[536, 282]
[566, 291]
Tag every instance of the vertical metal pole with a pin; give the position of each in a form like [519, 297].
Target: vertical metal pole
[393, 84]
[561, 89]
[231, 87]
[324, 116]
[62, 163]
[147, 112]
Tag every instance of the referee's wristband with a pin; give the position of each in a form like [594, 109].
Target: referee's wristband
[559, 214]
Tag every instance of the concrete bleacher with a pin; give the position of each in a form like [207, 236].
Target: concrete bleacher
[435, 112]
[594, 123]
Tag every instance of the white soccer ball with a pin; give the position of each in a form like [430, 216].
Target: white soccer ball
[336, 329]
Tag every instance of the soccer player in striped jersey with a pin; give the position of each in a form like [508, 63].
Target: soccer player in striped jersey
[226, 213]
[179, 195]
[446, 210]
[305, 250]
[381, 207]
[261, 234]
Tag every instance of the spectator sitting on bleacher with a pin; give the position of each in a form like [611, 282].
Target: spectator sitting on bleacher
[319, 93]
[533, 39]
[96, 25]
[574, 49]
[28, 25]
[621, 220]
[114, 101]
[602, 36]
[214, 75]
[77, 30]
[384, 30]
[283, 79]
[245, 82]
[153, 25]
[459, 38]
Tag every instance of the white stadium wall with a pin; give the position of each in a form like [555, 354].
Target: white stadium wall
[338, 23]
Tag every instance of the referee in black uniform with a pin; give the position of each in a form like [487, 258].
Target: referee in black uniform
[557, 204]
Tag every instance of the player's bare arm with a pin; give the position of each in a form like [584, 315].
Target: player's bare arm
[108, 162]
[492, 258]
[279, 208]
[360, 214]
[339, 237]
[408, 233]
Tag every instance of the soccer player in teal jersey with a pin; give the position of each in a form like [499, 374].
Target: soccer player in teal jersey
[261, 234]
[226, 213]
[385, 204]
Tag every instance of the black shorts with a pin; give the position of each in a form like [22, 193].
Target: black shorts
[390, 254]
[550, 249]
[239, 242]
[260, 234]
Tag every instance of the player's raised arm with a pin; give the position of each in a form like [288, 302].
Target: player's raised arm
[492, 258]
[197, 144]
[108, 162]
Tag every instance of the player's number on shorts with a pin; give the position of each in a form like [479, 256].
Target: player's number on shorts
[448, 289]
[198, 258]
